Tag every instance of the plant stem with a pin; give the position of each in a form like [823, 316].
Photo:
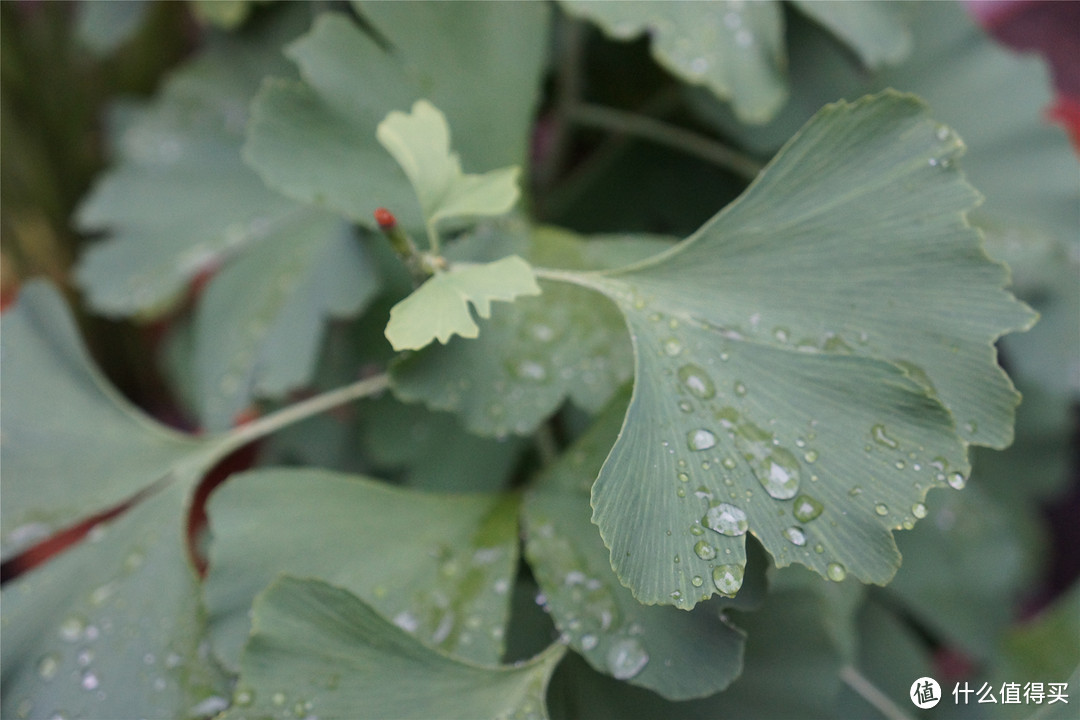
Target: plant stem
[300, 411]
[658, 131]
[871, 694]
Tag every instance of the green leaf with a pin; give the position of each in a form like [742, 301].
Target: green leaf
[737, 52]
[877, 32]
[179, 198]
[680, 655]
[258, 327]
[481, 64]
[439, 308]
[439, 566]
[433, 451]
[799, 356]
[420, 143]
[225, 14]
[64, 428]
[536, 353]
[319, 650]
[103, 27]
[791, 669]
[112, 627]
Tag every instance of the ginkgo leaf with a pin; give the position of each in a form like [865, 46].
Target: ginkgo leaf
[439, 308]
[538, 352]
[317, 650]
[479, 63]
[112, 628]
[438, 566]
[802, 357]
[179, 198]
[420, 143]
[63, 428]
[736, 49]
[680, 655]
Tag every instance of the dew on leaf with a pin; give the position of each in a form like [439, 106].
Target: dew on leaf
[278, 698]
[778, 473]
[704, 550]
[72, 628]
[918, 510]
[696, 581]
[672, 347]
[806, 508]
[795, 536]
[740, 389]
[697, 381]
[588, 641]
[685, 406]
[48, 666]
[726, 519]
[836, 572]
[626, 658]
[811, 456]
[243, 698]
[729, 463]
[882, 438]
[881, 509]
[900, 465]
[89, 681]
[727, 578]
[700, 439]
[957, 481]
[530, 370]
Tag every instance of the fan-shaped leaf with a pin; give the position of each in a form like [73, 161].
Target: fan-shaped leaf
[318, 650]
[439, 308]
[438, 566]
[798, 357]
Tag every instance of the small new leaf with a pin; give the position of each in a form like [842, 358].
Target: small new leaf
[420, 142]
[439, 308]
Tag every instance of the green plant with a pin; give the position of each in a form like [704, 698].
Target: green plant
[642, 432]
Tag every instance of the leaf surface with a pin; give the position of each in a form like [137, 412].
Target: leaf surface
[259, 325]
[438, 566]
[480, 64]
[112, 627]
[320, 650]
[536, 353]
[64, 427]
[680, 655]
[800, 358]
[420, 142]
[439, 309]
[179, 198]
[877, 32]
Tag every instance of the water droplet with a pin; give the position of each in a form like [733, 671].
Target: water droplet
[704, 550]
[530, 370]
[795, 536]
[700, 439]
[778, 473]
[881, 509]
[811, 456]
[819, 548]
[836, 572]
[727, 579]
[85, 657]
[407, 621]
[626, 658]
[696, 581]
[942, 133]
[685, 406]
[729, 463]
[855, 491]
[243, 698]
[680, 492]
[672, 347]
[588, 642]
[697, 381]
[918, 510]
[278, 698]
[72, 628]
[806, 508]
[726, 519]
[900, 464]
[740, 389]
[89, 681]
[48, 666]
[881, 438]
[542, 332]
[957, 481]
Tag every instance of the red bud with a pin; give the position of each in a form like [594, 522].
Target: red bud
[385, 218]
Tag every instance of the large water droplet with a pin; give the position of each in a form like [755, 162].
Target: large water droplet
[778, 473]
[697, 381]
[700, 439]
[530, 370]
[918, 510]
[89, 681]
[72, 628]
[881, 509]
[957, 481]
[836, 572]
[48, 666]
[704, 550]
[727, 578]
[626, 658]
[882, 438]
[672, 347]
[726, 519]
[696, 581]
[588, 642]
[806, 508]
[795, 536]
